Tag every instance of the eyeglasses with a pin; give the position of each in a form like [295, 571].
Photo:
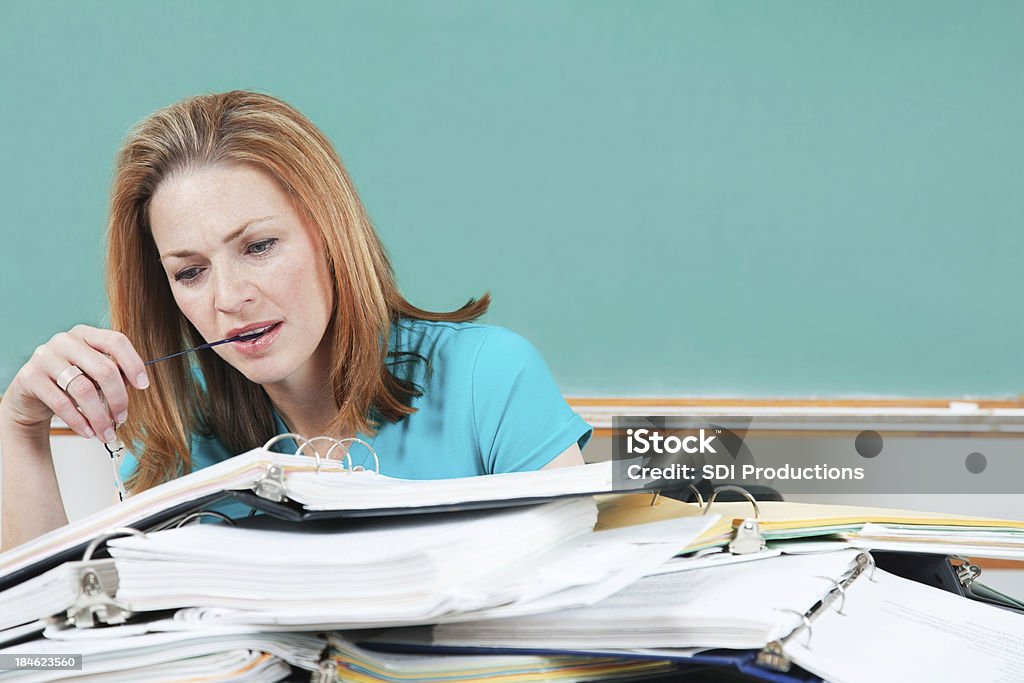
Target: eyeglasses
[116, 448]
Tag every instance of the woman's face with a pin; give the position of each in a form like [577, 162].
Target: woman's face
[239, 258]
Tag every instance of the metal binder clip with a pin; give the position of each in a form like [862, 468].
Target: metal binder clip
[98, 583]
[748, 538]
[966, 572]
[326, 671]
[772, 657]
[271, 484]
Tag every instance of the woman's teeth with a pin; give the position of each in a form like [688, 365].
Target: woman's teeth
[254, 334]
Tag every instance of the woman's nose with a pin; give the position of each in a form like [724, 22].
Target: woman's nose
[232, 291]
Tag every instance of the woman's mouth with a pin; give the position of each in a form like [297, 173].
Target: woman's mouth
[254, 341]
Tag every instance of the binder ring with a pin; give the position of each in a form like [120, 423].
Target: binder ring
[737, 489]
[99, 540]
[204, 513]
[837, 586]
[281, 437]
[700, 498]
[327, 456]
[805, 626]
[867, 560]
[355, 439]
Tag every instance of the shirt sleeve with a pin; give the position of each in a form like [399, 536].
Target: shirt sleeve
[521, 419]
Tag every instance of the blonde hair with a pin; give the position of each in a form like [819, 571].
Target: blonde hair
[242, 127]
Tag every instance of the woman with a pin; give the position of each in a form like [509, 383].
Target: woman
[231, 214]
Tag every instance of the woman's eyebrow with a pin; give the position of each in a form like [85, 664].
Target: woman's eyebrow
[233, 235]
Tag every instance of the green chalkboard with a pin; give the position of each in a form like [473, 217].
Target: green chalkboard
[673, 198]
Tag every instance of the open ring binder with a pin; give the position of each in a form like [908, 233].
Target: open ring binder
[271, 486]
[870, 560]
[693, 489]
[773, 655]
[837, 586]
[102, 538]
[355, 439]
[204, 513]
[336, 443]
[737, 489]
[748, 538]
[274, 440]
[966, 572]
[327, 456]
[182, 519]
[285, 486]
[98, 581]
[804, 626]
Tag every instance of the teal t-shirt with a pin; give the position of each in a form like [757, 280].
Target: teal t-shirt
[489, 405]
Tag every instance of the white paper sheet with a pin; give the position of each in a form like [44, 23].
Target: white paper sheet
[894, 630]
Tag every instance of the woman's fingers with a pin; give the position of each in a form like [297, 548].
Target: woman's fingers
[84, 394]
[47, 391]
[119, 348]
[60, 354]
[91, 402]
[105, 359]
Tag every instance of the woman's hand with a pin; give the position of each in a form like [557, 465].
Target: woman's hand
[92, 402]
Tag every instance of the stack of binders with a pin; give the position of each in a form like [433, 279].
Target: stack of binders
[138, 591]
[537, 576]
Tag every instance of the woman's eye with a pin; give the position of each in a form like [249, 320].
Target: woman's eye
[261, 247]
[187, 276]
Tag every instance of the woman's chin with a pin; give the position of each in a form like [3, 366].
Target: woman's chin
[263, 373]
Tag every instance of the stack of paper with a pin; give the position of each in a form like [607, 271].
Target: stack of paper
[359, 665]
[236, 656]
[438, 561]
[892, 630]
[425, 572]
[880, 628]
[305, 489]
[244, 602]
[735, 606]
[366, 490]
[380, 572]
[1003, 542]
[394, 569]
[864, 527]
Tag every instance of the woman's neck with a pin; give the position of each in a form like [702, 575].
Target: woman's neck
[305, 401]
[304, 414]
